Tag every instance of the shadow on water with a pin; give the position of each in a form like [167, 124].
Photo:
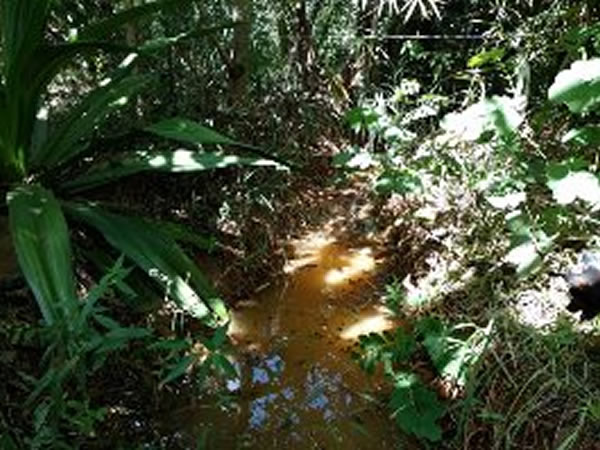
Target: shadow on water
[298, 386]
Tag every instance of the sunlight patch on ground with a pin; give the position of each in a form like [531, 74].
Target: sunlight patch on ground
[358, 263]
[308, 250]
[373, 323]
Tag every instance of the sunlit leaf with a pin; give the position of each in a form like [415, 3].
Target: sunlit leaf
[578, 87]
[586, 136]
[527, 254]
[567, 186]
[486, 57]
[43, 248]
[508, 201]
[177, 161]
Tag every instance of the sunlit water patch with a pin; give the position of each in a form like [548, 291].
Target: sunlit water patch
[298, 387]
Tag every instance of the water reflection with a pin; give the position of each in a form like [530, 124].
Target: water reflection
[298, 386]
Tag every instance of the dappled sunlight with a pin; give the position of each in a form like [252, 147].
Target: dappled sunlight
[293, 341]
[308, 250]
[358, 263]
[375, 322]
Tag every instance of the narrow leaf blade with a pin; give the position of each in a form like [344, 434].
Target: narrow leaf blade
[188, 131]
[159, 256]
[178, 161]
[43, 248]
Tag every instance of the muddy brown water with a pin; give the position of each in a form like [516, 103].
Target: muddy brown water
[299, 387]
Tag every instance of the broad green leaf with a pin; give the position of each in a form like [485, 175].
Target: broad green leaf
[568, 186]
[508, 201]
[185, 130]
[429, 326]
[43, 249]
[497, 114]
[527, 252]
[161, 161]
[416, 409]
[181, 233]
[454, 357]
[578, 87]
[159, 256]
[505, 118]
[25, 86]
[486, 56]
[586, 136]
[104, 28]
[70, 138]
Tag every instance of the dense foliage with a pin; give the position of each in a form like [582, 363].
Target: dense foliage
[472, 126]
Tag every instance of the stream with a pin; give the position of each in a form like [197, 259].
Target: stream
[299, 387]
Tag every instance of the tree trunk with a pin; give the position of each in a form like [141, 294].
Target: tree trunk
[240, 66]
[304, 50]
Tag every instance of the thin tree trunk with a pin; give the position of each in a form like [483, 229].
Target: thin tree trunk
[305, 52]
[239, 69]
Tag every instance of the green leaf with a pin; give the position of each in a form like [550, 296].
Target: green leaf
[505, 118]
[159, 256]
[220, 336]
[23, 26]
[569, 185]
[415, 408]
[528, 247]
[497, 114]
[404, 345]
[177, 161]
[43, 249]
[185, 130]
[507, 201]
[70, 138]
[486, 57]
[578, 87]
[429, 326]
[179, 369]
[585, 136]
[224, 365]
[106, 27]
[182, 233]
